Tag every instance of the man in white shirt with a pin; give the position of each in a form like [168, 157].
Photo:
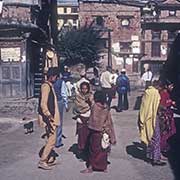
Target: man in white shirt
[106, 84]
[147, 77]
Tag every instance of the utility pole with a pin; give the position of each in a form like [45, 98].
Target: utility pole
[109, 49]
[53, 21]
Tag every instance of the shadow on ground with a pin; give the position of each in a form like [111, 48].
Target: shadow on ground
[137, 103]
[136, 150]
[79, 155]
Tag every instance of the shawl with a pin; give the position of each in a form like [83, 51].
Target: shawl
[148, 114]
[100, 120]
[83, 102]
[165, 99]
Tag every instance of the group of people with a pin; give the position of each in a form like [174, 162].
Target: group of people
[112, 82]
[156, 122]
[93, 119]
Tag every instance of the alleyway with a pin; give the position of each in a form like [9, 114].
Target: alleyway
[19, 152]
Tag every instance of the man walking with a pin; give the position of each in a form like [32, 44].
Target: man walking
[106, 82]
[123, 87]
[48, 116]
[62, 99]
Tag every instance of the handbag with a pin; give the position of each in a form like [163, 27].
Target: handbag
[105, 141]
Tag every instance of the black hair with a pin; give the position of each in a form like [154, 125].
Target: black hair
[52, 71]
[155, 83]
[167, 82]
[100, 96]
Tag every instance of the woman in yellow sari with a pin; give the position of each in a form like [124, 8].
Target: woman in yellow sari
[149, 124]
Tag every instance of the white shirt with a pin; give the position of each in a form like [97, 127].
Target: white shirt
[147, 76]
[106, 79]
[114, 78]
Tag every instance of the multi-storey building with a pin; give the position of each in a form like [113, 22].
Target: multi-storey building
[121, 24]
[67, 11]
[17, 24]
[141, 32]
[160, 25]
[24, 35]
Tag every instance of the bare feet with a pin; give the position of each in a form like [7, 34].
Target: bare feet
[88, 170]
[163, 158]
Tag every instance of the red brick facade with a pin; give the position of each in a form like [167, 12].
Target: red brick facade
[122, 36]
[159, 18]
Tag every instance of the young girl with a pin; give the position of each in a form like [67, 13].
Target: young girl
[83, 101]
[100, 120]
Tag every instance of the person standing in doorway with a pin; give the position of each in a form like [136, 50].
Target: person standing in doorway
[48, 117]
[123, 88]
[62, 99]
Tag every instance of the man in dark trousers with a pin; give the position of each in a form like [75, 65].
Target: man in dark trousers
[62, 99]
[48, 117]
[123, 87]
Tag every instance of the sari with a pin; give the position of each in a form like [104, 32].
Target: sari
[167, 124]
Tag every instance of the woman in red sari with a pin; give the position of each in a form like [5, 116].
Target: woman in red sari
[167, 124]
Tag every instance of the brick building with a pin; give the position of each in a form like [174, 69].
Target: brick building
[141, 31]
[67, 11]
[121, 23]
[160, 25]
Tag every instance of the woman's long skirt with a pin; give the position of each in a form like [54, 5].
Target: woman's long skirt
[167, 127]
[153, 150]
[83, 133]
[97, 156]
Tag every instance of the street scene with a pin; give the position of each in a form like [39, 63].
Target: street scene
[90, 89]
[19, 152]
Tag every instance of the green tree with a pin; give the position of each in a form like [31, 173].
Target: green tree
[80, 45]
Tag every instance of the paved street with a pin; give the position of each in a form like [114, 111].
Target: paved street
[19, 152]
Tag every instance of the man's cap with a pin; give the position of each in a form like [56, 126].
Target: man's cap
[123, 70]
[53, 71]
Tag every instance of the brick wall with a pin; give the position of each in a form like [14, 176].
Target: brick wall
[113, 14]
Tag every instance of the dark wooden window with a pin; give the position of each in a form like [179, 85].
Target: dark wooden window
[125, 46]
[65, 10]
[171, 37]
[99, 21]
[156, 43]
[74, 10]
